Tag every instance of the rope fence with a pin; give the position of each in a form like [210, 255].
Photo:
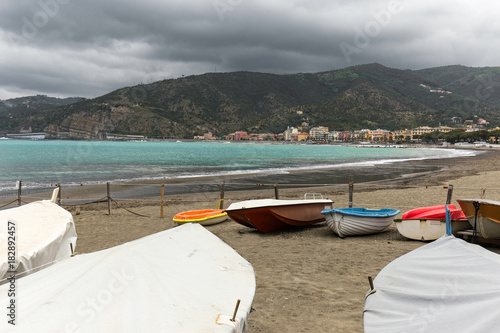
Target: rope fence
[209, 189]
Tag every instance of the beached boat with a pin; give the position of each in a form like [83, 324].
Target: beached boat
[267, 215]
[359, 221]
[40, 233]
[483, 216]
[428, 223]
[203, 217]
[184, 279]
[448, 285]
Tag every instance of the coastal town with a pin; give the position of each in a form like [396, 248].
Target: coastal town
[476, 129]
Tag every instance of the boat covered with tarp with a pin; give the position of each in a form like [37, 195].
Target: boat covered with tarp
[184, 279]
[448, 285]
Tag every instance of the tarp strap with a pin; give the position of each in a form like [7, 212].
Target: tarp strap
[476, 205]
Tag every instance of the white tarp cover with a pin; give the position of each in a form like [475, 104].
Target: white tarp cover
[43, 233]
[448, 285]
[177, 280]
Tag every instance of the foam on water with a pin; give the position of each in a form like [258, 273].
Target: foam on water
[42, 163]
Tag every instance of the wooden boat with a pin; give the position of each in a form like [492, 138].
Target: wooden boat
[184, 279]
[41, 233]
[428, 223]
[448, 285]
[203, 217]
[359, 221]
[485, 219]
[267, 215]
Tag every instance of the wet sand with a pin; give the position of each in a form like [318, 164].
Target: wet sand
[308, 280]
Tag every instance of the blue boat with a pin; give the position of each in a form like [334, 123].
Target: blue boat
[359, 221]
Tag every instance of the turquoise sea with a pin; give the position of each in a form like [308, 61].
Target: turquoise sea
[40, 163]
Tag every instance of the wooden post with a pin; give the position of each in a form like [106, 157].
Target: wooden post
[370, 281]
[109, 197]
[59, 201]
[450, 193]
[221, 201]
[162, 199]
[19, 193]
[236, 310]
[351, 190]
[276, 194]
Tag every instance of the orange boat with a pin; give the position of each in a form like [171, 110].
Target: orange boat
[203, 217]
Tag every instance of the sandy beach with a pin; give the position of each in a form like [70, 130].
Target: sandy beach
[308, 280]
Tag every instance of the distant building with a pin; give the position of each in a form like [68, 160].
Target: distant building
[240, 135]
[318, 133]
[302, 136]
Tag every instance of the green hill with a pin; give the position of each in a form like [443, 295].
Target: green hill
[365, 96]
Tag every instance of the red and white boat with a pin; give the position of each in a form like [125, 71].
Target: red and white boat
[267, 215]
[429, 223]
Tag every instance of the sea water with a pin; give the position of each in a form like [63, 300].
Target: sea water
[42, 163]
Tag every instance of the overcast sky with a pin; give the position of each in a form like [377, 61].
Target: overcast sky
[89, 48]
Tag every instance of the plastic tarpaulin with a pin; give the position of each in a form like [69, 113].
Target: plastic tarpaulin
[41, 233]
[448, 285]
[184, 279]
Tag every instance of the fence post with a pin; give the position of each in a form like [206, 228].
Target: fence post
[162, 199]
[19, 193]
[450, 193]
[276, 194]
[221, 201]
[351, 190]
[109, 197]
[59, 201]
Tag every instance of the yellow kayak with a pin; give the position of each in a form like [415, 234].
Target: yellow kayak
[203, 217]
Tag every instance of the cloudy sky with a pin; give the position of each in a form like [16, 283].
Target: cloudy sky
[88, 48]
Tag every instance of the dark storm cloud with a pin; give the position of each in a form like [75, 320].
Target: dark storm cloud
[88, 48]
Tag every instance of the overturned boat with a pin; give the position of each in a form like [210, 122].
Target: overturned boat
[184, 279]
[428, 223]
[448, 285]
[34, 236]
[203, 216]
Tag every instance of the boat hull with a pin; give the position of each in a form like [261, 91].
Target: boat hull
[184, 279]
[204, 217]
[268, 215]
[43, 233]
[447, 285]
[487, 223]
[429, 223]
[353, 225]
[428, 230]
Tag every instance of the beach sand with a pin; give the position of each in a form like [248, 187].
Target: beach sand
[308, 280]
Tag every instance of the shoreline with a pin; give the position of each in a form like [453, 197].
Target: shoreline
[400, 171]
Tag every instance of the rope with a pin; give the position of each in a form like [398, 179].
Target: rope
[10, 203]
[103, 199]
[128, 210]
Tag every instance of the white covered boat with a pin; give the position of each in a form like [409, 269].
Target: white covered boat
[448, 285]
[40, 233]
[483, 215]
[183, 279]
[359, 221]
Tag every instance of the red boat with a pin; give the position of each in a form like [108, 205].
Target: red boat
[434, 213]
[267, 215]
[428, 223]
